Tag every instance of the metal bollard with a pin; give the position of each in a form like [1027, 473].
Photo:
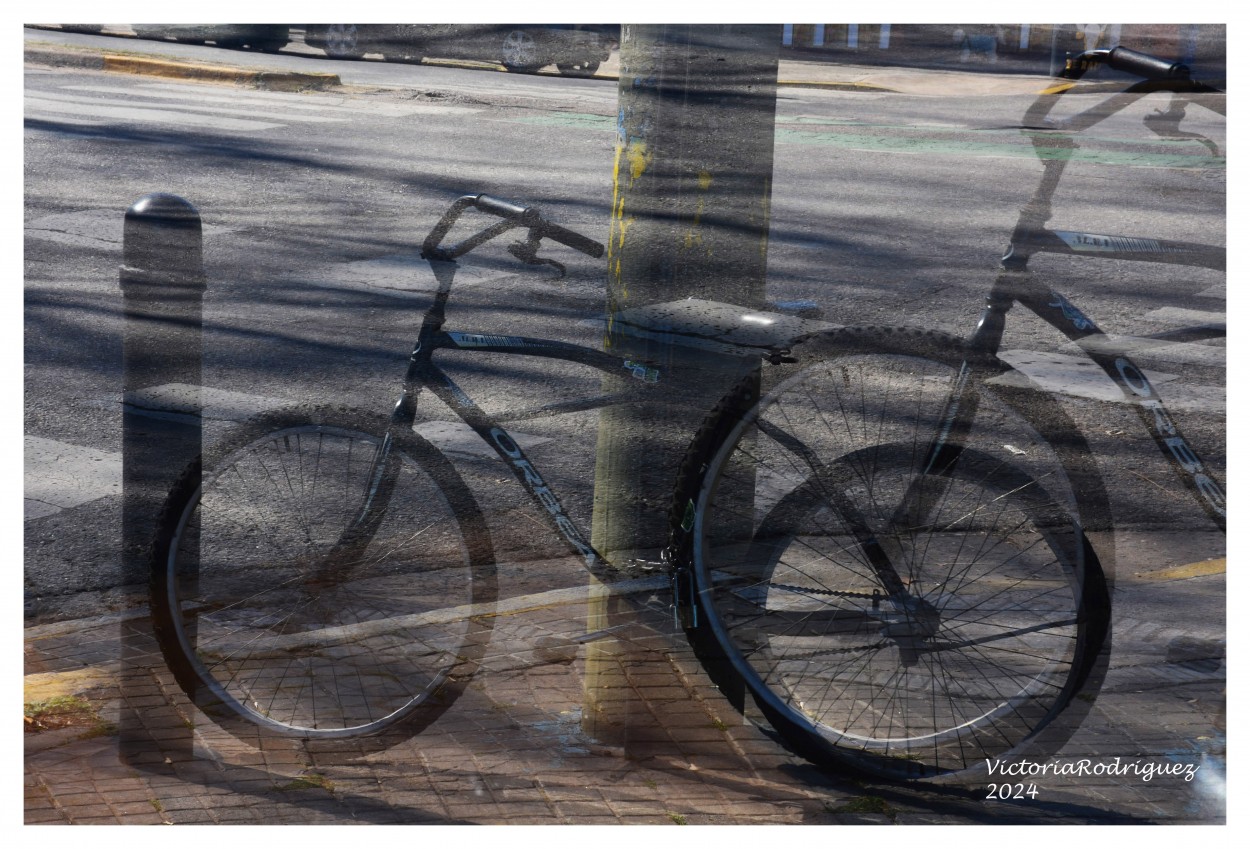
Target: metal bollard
[162, 282]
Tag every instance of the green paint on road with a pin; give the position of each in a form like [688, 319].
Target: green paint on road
[1018, 148]
[948, 141]
[579, 120]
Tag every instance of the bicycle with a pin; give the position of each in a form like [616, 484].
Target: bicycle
[889, 609]
[897, 592]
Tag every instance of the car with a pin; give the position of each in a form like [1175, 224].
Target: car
[575, 49]
[268, 37]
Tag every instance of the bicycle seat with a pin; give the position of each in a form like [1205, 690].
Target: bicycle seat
[717, 327]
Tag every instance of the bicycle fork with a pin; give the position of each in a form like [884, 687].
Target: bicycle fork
[384, 468]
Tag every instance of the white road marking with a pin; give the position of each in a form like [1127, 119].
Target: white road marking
[1214, 354]
[37, 106]
[216, 404]
[344, 108]
[93, 228]
[1177, 315]
[459, 438]
[1082, 378]
[239, 109]
[206, 104]
[59, 475]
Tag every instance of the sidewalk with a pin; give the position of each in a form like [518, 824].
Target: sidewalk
[791, 72]
[514, 749]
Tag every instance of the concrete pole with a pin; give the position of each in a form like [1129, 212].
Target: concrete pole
[690, 218]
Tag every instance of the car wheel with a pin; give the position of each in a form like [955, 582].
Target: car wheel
[409, 58]
[342, 41]
[270, 39]
[577, 69]
[520, 52]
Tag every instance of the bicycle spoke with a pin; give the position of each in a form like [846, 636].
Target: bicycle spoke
[283, 630]
[978, 638]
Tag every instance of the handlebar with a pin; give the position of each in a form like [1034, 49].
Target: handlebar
[513, 215]
[1123, 59]
[1157, 75]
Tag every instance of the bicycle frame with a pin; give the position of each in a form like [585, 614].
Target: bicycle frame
[1015, 284]
[423, 373]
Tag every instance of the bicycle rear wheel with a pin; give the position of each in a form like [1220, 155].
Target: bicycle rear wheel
[272, 625]
[907, 621]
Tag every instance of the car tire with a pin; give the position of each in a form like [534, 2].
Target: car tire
[270, 39]
[521, 52]
[577, 69]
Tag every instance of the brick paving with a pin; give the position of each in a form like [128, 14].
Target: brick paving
[514, 748]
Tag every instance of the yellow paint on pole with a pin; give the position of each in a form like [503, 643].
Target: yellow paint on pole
[639, 158]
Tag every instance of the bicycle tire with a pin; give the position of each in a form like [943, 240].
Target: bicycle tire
[898, 379]
[271, 640]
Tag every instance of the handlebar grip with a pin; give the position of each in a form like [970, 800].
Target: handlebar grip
[576, 241]
[528, 216]
[500, 207]
[1144, 65]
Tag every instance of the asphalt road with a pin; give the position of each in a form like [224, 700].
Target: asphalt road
[887, 209]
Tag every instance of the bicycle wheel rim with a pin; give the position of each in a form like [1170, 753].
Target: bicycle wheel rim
[266, 635]
[1020, 713]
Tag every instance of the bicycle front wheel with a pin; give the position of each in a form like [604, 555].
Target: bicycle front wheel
[909, 621]
[272, 624]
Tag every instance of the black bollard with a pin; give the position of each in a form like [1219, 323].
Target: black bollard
[162, 282]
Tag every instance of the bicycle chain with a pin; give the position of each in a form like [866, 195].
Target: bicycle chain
[875, 596]
[836, 593]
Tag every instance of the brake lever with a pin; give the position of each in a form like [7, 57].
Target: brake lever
[527, 252]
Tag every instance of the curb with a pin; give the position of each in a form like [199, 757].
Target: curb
[118, 63]
[301, 81]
